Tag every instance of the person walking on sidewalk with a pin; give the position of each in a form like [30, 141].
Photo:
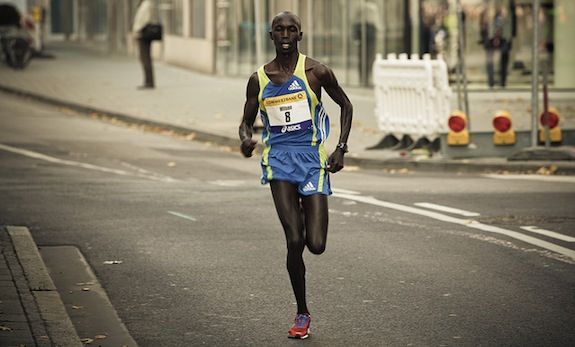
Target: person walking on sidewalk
[287, 92]
[144, 15]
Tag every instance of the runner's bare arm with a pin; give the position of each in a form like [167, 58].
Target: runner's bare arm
[329, 82]
[250, 112]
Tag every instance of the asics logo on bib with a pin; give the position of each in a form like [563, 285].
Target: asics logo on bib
[289, 128]
[308, 187]
[294, 86]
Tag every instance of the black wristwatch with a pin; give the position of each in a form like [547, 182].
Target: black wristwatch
[342, 146]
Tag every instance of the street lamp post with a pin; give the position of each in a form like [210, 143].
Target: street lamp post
[535, 74]
[461, 75]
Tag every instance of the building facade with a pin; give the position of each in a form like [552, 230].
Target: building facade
[230, 37]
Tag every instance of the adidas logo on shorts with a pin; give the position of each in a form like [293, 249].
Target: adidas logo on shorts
[309, 187]
[294, 86]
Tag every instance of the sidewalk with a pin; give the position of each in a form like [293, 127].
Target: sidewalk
[208, 108]
[31, 311]
[14, 327]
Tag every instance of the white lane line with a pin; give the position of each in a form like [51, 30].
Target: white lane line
[446, 209]
[549, 233]
[345, 191]
[228, 183]
[40, 156]
[543, 178]
[145, 172]
[465, 222]
[181, 215]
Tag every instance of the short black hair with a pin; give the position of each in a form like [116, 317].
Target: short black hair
[288, 13]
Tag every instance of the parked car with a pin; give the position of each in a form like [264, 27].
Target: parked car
[15, 41]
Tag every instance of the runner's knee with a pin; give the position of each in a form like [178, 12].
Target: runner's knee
[295, 244]
[316, 246]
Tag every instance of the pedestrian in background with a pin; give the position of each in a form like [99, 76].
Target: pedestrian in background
[364, 35]
[497, 30]
[287, 92]
[145, 15]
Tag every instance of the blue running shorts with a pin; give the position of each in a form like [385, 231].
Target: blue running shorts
[304, 166]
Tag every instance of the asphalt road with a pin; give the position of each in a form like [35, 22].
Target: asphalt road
[203, 257]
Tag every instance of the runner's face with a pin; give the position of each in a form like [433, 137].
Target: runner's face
[285, 34]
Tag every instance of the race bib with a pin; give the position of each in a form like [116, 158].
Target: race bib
[288, 113]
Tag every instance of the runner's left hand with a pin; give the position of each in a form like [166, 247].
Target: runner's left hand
[335, 161]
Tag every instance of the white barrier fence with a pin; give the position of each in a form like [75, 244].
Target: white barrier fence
[412, 96]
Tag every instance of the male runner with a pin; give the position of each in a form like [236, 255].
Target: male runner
[287, 92]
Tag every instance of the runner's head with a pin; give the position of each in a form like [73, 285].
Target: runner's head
[286, 32]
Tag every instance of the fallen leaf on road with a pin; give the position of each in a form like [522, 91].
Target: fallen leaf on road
[547, 170]
[77, 307]
[87, 340]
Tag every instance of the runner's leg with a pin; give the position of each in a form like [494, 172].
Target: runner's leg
[316, 220]
[286, 199]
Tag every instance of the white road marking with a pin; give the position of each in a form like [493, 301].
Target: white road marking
[543, 178]
[228, 183]
[549, 233]
[40, 156]
[148, 172]
[465, 222]
[345, 191]
[446, 209]
[181, 215]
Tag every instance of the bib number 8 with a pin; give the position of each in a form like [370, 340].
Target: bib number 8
[288, 118]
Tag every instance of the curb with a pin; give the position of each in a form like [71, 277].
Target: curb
[58, 325]
[430, 165]
[426, 165]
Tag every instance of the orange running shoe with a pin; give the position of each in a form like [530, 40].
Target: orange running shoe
[300, 327]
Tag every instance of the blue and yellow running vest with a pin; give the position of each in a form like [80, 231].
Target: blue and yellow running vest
[291, 113]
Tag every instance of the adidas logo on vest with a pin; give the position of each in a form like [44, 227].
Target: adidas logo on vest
[309, 187]
[294, 86]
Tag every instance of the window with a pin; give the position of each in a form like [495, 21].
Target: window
[198, 19]
[171, 16]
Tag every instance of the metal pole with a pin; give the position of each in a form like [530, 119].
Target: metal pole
[112, 26]
[363, 45]
[463, 74]
[535, 74]
[311, 33]
[345, 38]
[546, 105]
[458, 73]
[258, 27]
